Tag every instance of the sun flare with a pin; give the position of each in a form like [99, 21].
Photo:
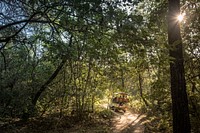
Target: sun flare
[180, 17]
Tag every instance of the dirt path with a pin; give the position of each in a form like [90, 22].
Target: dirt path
[128, 123]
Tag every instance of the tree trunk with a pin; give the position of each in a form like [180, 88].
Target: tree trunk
[52, 77]
[140, 79]
[44, 86]
[181, 121]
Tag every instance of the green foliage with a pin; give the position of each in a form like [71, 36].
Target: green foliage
[105, 49]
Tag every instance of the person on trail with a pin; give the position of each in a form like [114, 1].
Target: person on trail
[121, 101]
[115, 100]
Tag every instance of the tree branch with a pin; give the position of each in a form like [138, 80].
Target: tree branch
[52, 77]
[6, 40]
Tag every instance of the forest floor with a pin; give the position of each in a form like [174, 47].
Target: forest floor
[128, 122]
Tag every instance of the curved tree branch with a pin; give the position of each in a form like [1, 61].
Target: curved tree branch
[51, 78]
[6, 40]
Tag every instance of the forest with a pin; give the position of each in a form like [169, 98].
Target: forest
[62, 63]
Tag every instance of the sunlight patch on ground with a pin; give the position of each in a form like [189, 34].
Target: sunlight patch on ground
[128, 123]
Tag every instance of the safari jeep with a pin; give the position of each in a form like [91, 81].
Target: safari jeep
[119, 102]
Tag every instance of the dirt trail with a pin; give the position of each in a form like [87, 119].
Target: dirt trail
[128, 122]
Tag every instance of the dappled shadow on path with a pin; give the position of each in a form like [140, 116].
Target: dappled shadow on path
[128, 123]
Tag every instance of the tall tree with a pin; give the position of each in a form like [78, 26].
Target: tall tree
[181, 121]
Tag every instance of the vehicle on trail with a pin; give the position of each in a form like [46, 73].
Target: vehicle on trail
[119, 102]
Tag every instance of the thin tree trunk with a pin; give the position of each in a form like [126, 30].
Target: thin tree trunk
[42, 89]
[181, 121]
[86, 84]
[141, 89]
[122, 78]
[44, 86]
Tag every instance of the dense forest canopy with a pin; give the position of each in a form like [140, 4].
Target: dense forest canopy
[69, 56]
